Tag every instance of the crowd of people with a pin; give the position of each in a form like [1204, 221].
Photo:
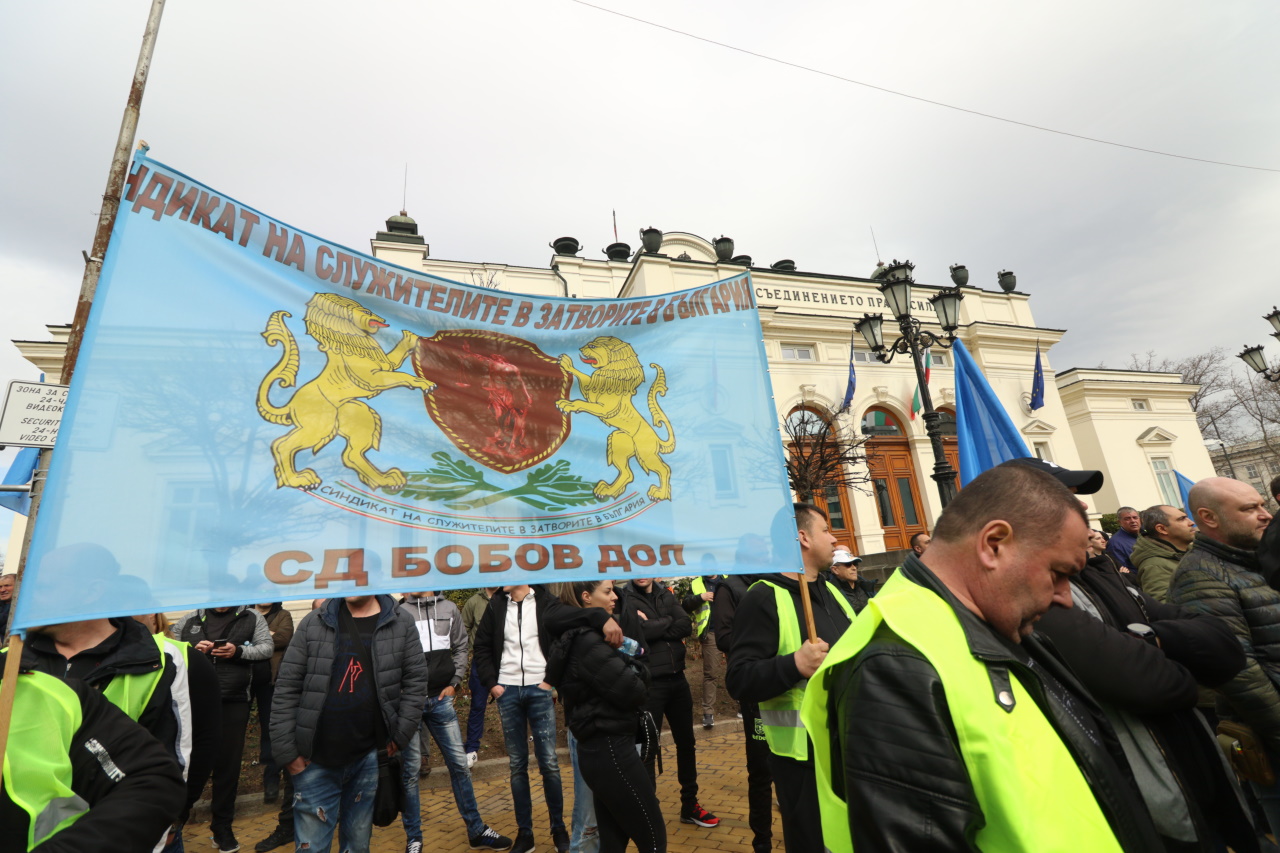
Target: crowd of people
[1020, 682]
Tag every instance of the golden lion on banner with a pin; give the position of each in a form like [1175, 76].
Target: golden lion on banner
[330, 405]
[608, 391]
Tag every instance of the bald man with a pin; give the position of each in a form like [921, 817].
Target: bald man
[1219, 575]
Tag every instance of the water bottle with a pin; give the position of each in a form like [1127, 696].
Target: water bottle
[629, 647]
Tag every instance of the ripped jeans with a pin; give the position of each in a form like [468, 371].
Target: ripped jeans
[329, 797]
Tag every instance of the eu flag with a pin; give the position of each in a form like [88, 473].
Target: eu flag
[1037, 383]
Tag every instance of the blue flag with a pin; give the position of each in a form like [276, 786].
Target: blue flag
[1184, 489]
[260, 414]
[20, 472]
[985, 433]
[853, 380]
[1037, 383]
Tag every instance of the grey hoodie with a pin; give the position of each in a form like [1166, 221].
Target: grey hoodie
[444, 639]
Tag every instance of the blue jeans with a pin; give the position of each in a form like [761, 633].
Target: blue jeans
[325, 797]
[585, 837]
[525, 709]
[475, 719]
[441, 721]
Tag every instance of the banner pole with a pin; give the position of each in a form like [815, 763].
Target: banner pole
[807, 605]
[88, 286]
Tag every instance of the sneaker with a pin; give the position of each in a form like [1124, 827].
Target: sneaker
[560, 837]
[283, 835]
[472, 758]
[490, 840]
[225, 841]
[700, 816]
[708, 721]
[524, 842]
[414, 846]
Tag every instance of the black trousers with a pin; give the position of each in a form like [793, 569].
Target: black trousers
[263, 693]
[797, 787]
[759, 780]
[226, 764]
[626, 805]
[669, 697]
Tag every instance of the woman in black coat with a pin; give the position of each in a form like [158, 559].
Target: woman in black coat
[603, 691]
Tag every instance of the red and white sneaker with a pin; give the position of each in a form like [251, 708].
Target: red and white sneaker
[700, 816]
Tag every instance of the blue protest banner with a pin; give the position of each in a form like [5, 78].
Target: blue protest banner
[260, 414]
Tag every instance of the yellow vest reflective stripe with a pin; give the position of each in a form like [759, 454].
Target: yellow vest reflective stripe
[1032, 794]
[131, 693]
[702, 616]
[37, 762]
[783, 729]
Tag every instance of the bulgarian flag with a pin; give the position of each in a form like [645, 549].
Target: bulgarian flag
[915, 401]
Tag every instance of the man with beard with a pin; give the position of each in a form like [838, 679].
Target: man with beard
[1219, 575]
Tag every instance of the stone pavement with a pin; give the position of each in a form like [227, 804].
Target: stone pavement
[722, 781]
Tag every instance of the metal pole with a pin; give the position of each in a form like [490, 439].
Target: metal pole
[943, 474]
[88, 285]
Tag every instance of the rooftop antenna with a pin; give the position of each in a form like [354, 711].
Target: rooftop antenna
[873, 243]
[405, 197]
[615, 226]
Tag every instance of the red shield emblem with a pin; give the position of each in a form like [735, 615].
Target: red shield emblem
[495, 396]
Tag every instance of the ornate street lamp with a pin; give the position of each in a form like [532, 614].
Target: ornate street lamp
[915, 341]
[1256, 358]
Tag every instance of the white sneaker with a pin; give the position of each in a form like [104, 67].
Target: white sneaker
[472, 758]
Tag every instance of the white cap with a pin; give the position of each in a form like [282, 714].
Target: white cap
[842, 555]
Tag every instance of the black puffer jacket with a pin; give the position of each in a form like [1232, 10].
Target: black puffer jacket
[665, 626]
[399, 671]
[1224, 581]
[248, 632]
[602, 688]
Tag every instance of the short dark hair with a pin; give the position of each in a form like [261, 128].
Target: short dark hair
[1275, 488]
[1029, 499]
[806, 513]
[1151, 516]
[915, 538]
[1127, 509]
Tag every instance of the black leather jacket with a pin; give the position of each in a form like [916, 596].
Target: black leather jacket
[896, 760]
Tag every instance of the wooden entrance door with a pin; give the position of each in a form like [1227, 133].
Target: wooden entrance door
[893, 479]
[834, 501]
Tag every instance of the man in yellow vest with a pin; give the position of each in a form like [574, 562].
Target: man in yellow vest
[80, 775]
[941, 723]
[772, 661]
[702, 591]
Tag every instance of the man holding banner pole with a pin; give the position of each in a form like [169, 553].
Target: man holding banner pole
[772, 663]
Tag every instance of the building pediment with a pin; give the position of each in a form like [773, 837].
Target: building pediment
[1038, 427]
[1156, 435]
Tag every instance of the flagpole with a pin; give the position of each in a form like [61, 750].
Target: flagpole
[88, 286]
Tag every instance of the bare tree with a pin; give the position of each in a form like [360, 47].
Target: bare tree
[1216, 402]
[822, 452]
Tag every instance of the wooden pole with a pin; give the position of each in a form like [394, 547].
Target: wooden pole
[88, 286]
[808, 608]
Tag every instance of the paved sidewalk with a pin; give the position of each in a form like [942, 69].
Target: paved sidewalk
[722, 780]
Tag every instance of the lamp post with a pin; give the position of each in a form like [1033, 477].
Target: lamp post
[1256, 358]
[915, 341]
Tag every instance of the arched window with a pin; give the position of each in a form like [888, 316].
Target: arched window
[879, 423]
[947, 423]
[804, 422]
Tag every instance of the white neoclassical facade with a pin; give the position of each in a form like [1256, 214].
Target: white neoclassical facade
[1135, 427]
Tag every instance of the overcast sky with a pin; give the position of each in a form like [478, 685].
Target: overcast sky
[524, 121]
